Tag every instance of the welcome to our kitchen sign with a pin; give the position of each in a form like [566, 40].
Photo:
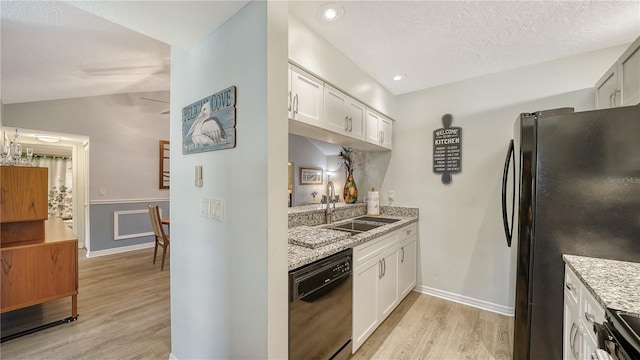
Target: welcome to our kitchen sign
[447, 150]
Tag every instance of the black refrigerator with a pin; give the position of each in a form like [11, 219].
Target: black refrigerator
[571, 185]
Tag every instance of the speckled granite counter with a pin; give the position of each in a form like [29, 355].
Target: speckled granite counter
[300, 255]
[614, 284]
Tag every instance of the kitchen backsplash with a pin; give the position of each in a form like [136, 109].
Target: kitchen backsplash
[313, 215]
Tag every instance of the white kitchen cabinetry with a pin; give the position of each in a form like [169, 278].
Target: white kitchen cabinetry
[379, 129]
[342, 114]
[407, 267]
[305, 97]
[620, 85]
[384, 273]
[581, 311]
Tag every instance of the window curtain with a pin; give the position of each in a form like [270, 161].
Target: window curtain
[60, 186]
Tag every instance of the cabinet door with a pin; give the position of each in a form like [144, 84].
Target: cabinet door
[372, 130]
[630, 78]
[356, 113]
[290, 94]
[335, 116]
[388, 292]
[386, 127]
[571, 328]
[366, 281]
[23, 194]
[407, 276]
[606, 89]
[307, 94]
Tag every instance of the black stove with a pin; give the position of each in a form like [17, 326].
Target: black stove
[621, 339]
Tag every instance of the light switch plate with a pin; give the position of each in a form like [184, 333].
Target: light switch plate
[204, 207]
[217, 209]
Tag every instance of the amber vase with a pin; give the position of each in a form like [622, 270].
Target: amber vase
[350, 193]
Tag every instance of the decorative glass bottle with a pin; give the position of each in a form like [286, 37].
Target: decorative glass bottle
[350, 193]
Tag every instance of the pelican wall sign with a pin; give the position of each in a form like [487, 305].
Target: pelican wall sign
[447, 149]
[210, 124]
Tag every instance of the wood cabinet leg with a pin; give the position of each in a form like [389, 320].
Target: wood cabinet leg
[74, 305]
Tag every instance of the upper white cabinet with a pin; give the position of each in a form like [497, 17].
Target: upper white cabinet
[342, 114]
[620, 85]
[379, 129]
[335, 116]
[305, 97]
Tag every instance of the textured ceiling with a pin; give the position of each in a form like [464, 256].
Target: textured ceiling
[54, 49]
[438, 42]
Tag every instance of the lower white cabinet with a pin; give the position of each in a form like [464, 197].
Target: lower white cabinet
[407, 266]
[581, 311]
[384, 273]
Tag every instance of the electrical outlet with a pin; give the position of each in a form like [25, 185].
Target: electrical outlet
[391, 195]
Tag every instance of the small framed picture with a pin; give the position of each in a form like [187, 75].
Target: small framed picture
[310, 176]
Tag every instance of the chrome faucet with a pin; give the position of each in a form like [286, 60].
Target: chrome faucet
[331, 194]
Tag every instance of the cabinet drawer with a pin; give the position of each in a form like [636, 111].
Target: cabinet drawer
[571, 285]
[370, 249]
[407, 231]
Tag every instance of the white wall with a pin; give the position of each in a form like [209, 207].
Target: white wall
[462, 253]
[229, 279]
[315, 54]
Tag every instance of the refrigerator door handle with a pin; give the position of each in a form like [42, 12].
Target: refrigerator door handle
[508, 227]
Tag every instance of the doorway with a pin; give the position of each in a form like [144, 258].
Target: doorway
[77, 148]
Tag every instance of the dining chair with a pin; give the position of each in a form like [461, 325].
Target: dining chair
[162, 239]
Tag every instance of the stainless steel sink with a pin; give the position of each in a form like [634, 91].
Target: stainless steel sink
[377, 219]
[355, 227]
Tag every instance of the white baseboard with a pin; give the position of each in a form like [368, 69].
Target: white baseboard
[120, 249]
[172, 357]
[465, 300]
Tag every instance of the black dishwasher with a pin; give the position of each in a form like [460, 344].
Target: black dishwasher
[320, 301]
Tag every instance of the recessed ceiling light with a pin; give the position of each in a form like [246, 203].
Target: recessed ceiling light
[48, 138]
[398, 77]
[330, 12]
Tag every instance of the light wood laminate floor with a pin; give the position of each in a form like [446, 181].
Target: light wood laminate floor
[125, 314]
[426, 327]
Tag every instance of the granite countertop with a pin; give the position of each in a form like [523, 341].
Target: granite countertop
[614, 284]
[301, 255]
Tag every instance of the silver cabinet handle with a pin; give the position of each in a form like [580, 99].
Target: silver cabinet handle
[350, 124]
[346, 123]
[402, 261]
[384, 267]
[295, 104]
[289, 106]
[569, 286]
[590, 317]
[379, 269]
[611, 99]
[615, 97]
[571, 338]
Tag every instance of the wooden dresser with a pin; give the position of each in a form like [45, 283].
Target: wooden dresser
[39, 257]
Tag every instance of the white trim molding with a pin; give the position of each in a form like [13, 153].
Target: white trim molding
[172, 357]
[126, 201]
[116, 222]
[118, 250]
[465, 300]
